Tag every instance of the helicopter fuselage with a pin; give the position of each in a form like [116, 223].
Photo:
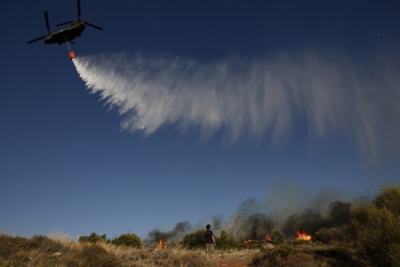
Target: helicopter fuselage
[65, 35]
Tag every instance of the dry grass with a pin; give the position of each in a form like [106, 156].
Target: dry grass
[58, 250]
[308, 255]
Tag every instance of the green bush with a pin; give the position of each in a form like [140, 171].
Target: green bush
[193, 240]
[329, 235]
[93, 238]
[378, 227]
[128, 240]
[225, 241]
[278, 237]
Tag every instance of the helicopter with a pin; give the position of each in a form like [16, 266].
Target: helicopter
[67, 34]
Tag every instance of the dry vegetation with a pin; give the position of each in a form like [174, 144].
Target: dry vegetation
[58, 250]
[371, 239]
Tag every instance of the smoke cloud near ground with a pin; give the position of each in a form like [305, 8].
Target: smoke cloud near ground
[254, 219]
[252, 98]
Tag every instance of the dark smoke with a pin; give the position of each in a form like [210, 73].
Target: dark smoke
[171, 237]
[289, 211]
[216, 222]
[257, 226]
[250, 223]
[311, 220]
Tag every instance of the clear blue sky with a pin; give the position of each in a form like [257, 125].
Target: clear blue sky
[67, 164]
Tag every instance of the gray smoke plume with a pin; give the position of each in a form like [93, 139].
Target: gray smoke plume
[252, 98]
[253, 220]
[171, 237]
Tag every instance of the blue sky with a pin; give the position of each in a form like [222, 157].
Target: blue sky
[70, 163]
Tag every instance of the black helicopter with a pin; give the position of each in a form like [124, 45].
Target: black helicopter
[66, 34]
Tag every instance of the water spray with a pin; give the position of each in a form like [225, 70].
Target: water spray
[252, 98]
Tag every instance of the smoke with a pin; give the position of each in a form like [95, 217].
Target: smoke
[252, 98]
[312, 220]
[255, 219]
[289, 208]
[173, 236]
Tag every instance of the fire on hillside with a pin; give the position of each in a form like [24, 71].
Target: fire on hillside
[258, 241]
[162, 244]
[302, 235]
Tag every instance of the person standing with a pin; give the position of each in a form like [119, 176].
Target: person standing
[209, 240]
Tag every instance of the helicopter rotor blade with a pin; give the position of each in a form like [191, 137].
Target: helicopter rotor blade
[37, 39]
[79, 8]
[94, 26]
[46, 17]
[68, 22]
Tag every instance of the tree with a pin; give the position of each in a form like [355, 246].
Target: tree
[128, 240]
[378, 227]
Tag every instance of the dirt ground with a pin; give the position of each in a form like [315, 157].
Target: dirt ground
[232, 264]
[236, 259]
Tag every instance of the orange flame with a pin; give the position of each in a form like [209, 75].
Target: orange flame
[162, 244]
[302, 235]
[267, 238]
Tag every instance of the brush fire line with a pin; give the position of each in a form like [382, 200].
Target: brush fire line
[301, 235]
[255, 241]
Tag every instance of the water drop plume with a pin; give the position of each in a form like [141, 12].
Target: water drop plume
[253, 97]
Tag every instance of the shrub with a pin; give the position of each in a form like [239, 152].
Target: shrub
[128, 240]
[226, 241]
[329, 235]
[378, 227]
[10, 245]
[338, 253]
[273, 257]
[193, 240]
[93, 238]
[44, 244]
[96, 256]
[278, 237]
